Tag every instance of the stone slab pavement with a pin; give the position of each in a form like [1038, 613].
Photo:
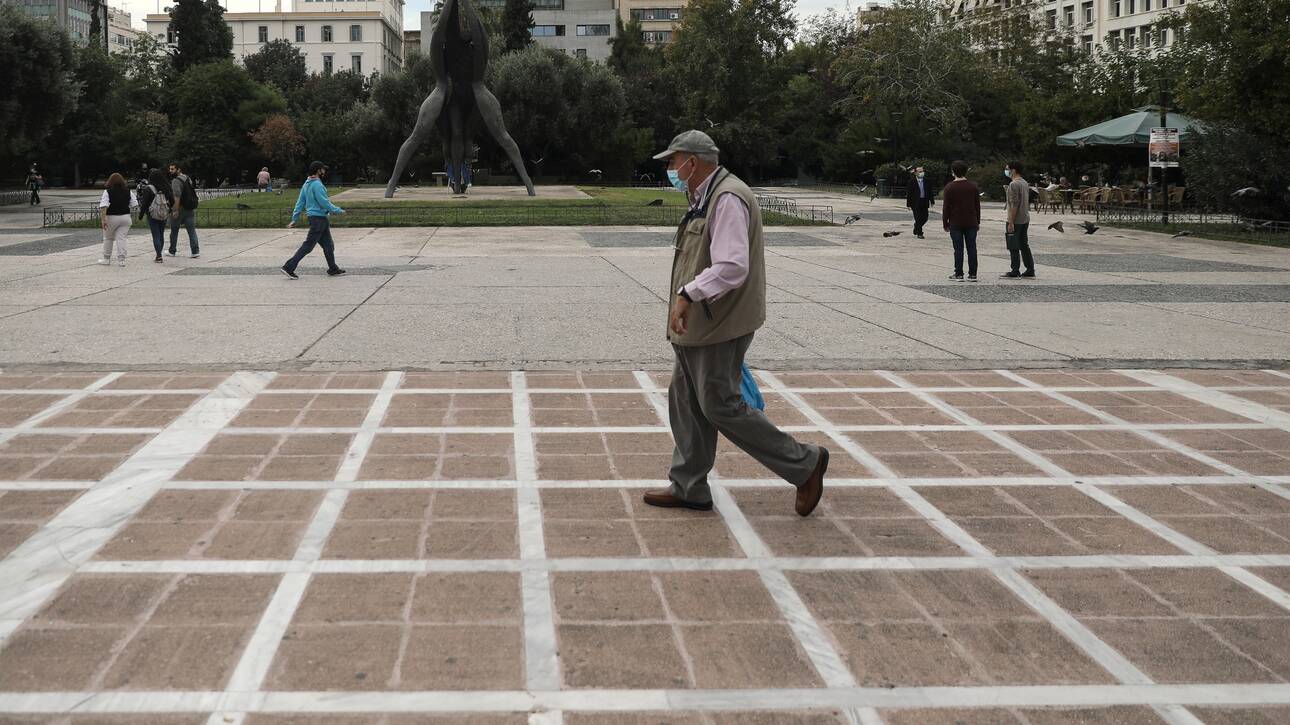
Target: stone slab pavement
[553, 297]
[995, 546]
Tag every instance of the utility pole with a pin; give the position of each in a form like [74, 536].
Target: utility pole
[1164, 170]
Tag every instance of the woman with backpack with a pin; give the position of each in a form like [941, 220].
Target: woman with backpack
[155, 203]
[114, 216]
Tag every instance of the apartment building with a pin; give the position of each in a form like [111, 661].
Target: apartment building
[658, 18]
[121, 34]
[70, 15]
[363, 36]
[581, 28]
[1125, 24]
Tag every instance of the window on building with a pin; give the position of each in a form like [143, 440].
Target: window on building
[1051, 19]
[657, 36]
[593, 30]
[1133, 6]
[300, 33]
[580, 53]
[355, 33]
[172, 36]
[1113, 39]
[1115, 8]
[1130, 39]
[1086, 43]
[547, 31]
[545, 4]
[1146, 6]
[1088, 13]
[327, 65]
[326, 33]
[356, 64]
[263, 34]
[1069, 13]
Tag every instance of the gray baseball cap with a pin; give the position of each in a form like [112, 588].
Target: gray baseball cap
[690, 142]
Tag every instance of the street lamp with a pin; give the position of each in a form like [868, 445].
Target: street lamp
[1164, 170]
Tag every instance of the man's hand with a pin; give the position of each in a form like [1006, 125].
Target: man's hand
[1011, 227]
[291, 224]
[680, 311]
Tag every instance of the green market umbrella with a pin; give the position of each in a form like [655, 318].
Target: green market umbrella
[1131, 130]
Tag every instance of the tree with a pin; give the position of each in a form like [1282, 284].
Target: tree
[84, 139]
[517, 25]
[202, 34]
[39, 91]
[216, 106]
[278, 140]
[279, 64]
[725, 62]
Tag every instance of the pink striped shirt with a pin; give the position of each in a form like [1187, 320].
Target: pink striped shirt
[728, 224]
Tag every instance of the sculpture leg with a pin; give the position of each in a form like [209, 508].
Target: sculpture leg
[491, 111]
[426, 119]
[458, 158]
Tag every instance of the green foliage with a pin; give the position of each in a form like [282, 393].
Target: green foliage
[517, 25]
[726, 64]
[216, 106]
[38, 87]
[203, 36]
[566, 111]
[279, 64]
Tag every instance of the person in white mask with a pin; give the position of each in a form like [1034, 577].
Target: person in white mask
[717, 300]
[918, 198]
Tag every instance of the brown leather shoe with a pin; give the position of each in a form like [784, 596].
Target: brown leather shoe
[808, 496]
[664, 499]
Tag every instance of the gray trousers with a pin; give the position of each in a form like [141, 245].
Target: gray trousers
[704, 400]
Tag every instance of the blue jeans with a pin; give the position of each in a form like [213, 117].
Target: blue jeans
[962, 236]
[319, 235]
[158, 229]
[187, 218]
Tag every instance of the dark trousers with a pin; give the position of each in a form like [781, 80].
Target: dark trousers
[920, 215]
[319, 235]
[158, 229]
[188, 219]
[35, 196]
[703, 400]
[1022, 252]
[964, 236]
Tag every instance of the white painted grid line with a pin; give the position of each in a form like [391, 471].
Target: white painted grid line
[1211, 397]
[70, 399]
[366, 434]
[38, 567]
[847, 444]
[541, 651]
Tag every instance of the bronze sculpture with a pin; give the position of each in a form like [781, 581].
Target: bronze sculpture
[458, 56]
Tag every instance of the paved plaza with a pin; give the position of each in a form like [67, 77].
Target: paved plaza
[1042, 546]
[413, 494]
[841, 297]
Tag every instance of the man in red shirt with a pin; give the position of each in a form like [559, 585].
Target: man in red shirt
[961, 216]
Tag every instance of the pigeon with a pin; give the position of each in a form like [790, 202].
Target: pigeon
[1247, 191]
[872, 197]
[981, 194]
[1089, 227]
[656, 202]
[851, 219]
[711, 124]
[242, 206]
[1058, 226]
[279, 192]
[861, 189]
[1183, 233]
[891, 234]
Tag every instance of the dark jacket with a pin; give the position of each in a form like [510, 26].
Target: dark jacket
[911, 193]
[146, 196]
[961, 205]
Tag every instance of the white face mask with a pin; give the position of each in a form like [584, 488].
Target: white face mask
[1007, 173]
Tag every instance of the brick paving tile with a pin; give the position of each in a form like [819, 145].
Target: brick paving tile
[419, 585]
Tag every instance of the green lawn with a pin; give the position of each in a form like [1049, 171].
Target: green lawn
[1218, 232]
[607, 207]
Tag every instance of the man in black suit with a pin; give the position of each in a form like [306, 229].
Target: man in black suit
[918, 197]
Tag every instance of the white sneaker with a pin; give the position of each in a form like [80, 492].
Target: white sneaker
[194, 256]
[104, 261]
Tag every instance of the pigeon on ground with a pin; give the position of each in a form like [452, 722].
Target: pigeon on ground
[872, 197]
[1058, 226]
[851, 219]
[279, 192]
[891, 234]
[656, 202]
[1183, 233]
[1089, 227]
[861, 189]
[1247, 191]
[242, 206]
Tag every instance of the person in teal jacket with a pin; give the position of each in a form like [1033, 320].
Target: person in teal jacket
[314, 203]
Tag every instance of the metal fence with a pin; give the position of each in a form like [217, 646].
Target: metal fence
[21, 196]
[1197, 219]
[789, 207]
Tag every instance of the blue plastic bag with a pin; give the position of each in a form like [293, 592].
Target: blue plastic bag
[752, 395]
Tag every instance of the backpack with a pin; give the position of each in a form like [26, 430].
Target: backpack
[159, 209]
[188, 196]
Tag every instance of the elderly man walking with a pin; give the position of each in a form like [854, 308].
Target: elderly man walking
[717, 301]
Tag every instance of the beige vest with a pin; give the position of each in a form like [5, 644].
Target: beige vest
[741, 310]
